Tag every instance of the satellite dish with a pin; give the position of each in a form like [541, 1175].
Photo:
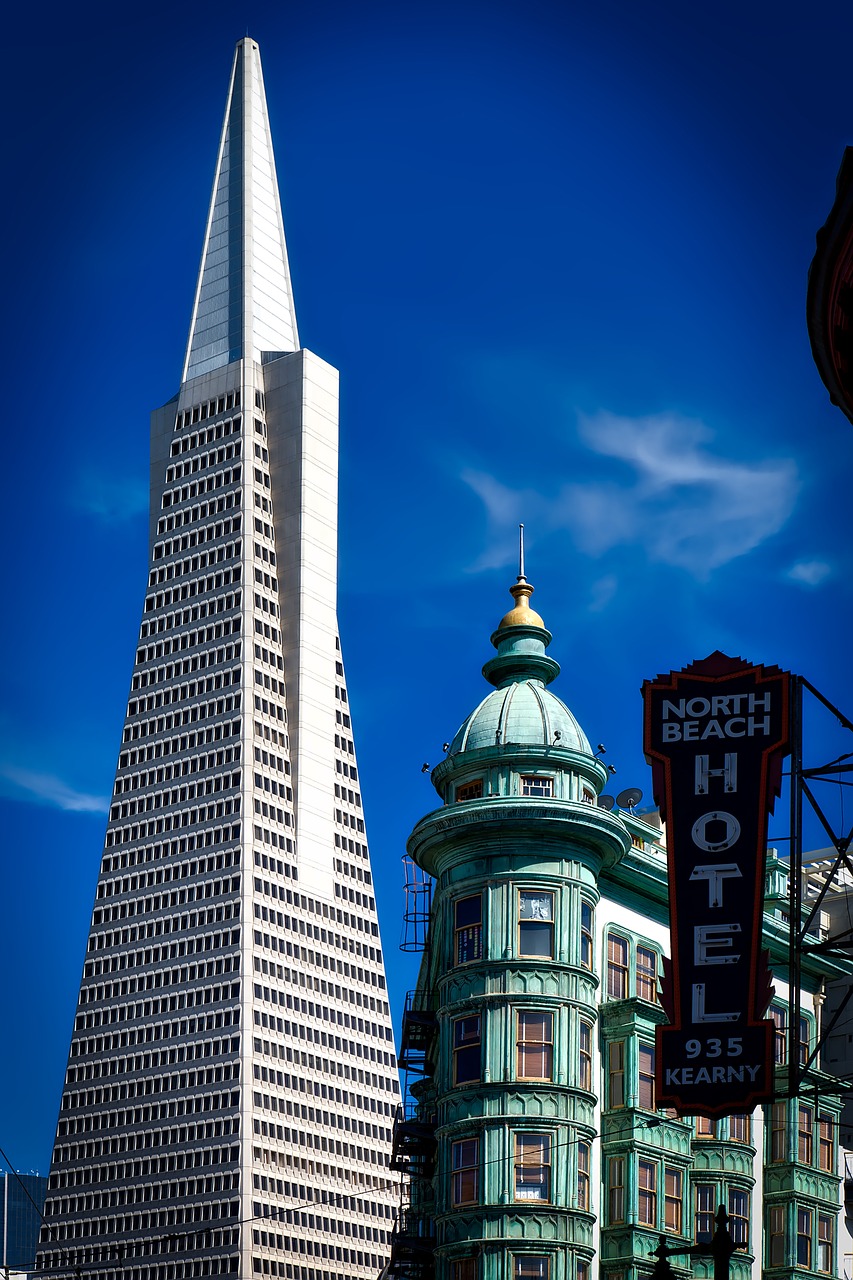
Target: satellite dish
[629, 798]
[606, 802]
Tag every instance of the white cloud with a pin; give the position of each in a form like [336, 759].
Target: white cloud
[109, 499]
[505, 508]
[664, 491]
[44, 788]
[602, 592]
[811, 573]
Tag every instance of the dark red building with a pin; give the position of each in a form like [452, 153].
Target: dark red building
[829, 304]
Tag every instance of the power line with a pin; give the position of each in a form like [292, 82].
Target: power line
[24, 1187]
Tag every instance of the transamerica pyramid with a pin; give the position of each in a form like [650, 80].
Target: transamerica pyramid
[231, 1080]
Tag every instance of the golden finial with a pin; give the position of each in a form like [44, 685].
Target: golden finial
[522, 615]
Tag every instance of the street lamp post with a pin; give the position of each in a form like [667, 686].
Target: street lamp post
[720, 1249]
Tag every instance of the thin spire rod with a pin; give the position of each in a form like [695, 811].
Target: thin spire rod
[521, 577]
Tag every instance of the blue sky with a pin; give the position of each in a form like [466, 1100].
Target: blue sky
[558, 253]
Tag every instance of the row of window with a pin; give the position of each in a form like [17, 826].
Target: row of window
[208, 409]
[632, 967]
[204, 511]
[531, 1170]
[659, 1203]
[779, 1017]
[191, 715]
[814, 1242]
[305, 1137]
[535, 926]
[194, 564]
[183, 768]
[810, 1143]
[540, 786]
[659, 1187]
[186, 666]
[632, 1083]
[534, 1048]
[201, 460]
[524, 1266]
[206, 533]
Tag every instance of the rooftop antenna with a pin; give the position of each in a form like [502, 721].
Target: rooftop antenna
[521, 577]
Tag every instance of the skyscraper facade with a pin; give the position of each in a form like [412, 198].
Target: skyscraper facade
[21, 1204]
[231, 1079]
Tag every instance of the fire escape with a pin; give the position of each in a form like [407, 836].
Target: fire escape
[413, 1149]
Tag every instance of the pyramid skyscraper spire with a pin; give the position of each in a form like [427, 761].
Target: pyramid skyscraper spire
[231, 1079]
[244, 300]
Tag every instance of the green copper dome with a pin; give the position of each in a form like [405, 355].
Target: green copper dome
[522, 713]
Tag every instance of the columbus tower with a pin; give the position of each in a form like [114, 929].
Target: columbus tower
[231, 1079]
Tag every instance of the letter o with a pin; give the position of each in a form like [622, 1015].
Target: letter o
[716, 846]
[698, 707]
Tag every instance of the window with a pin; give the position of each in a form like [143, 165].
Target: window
[585, 1055]
[530, 1266]
[468, 929]
[804, 1041]
[535, 924]
[705, 1128]
[464, 1269]
[617, 967]
[616, 1072]
[804, 1237]
[739, 1128]
[586, 935]
[673, 1179]
[466, 1171]
[531, 785]
[739, 1215]
[466, 1050]
[804, 1135]
[532, 1166]
[706, 1207]
[776, 1236]
[779, 1132]
[582, 1270]
[616, 1189]
[534, 1045]
[647, 973]
[780, 1033]
[584, 1151]
[825, 1151]
[647, 1182]
[470, 790]
[646, 1067]
[825, 1240]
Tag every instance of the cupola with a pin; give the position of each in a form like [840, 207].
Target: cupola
[521, 710]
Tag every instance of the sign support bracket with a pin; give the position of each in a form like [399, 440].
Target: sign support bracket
[803, 915]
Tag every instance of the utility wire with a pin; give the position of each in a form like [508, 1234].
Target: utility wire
[24, 1187]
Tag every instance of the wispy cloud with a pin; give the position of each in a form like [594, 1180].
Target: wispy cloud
[602, 592]
[44, 788]
[505, 508]
[109, 498]
[810, 573]
[663, 490]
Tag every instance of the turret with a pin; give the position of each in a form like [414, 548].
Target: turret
[515, 850]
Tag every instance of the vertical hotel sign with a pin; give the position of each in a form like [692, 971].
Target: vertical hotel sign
[715, 735]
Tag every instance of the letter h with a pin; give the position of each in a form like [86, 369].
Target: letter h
[704, 773]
